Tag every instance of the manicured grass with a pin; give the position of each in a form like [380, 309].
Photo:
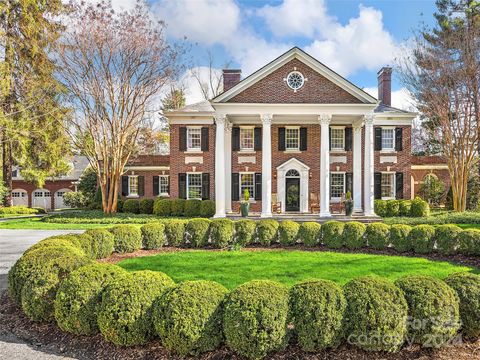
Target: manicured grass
[232, 268]
[38, 224]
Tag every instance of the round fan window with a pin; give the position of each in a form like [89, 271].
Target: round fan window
[295, 80]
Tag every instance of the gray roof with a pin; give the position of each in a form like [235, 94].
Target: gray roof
[78, 164]
[382, 108]
[201, 106]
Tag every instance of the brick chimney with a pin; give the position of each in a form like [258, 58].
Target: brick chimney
[385, 85]
[231, 77]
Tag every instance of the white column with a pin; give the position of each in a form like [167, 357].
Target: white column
[266, 165]
[228, 167]
[220, 120]
[368, 170]
[325, 165]
[357, 167]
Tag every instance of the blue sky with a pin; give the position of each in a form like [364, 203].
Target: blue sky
[354, 38]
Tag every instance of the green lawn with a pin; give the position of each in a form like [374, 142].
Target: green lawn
[232, 268]
[37, 224]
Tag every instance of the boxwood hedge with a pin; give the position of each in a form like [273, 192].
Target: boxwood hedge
[309, 233]
[197, 232]
[153, 235]
[354, 235]
[267, 231]
[288, 232]
[127, 238]
[221, 232]
[244, 232]
[331, 233]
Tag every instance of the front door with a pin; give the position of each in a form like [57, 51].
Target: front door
[292, 194]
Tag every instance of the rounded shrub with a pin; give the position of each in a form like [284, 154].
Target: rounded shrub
[197, 232]
[377, 236]
[244, 232]
[162, 207]
[419, 208]
[446, 238]
[317, 309]
[422, 238]
[127, 238]
[467, 287]
[55, 241]
[288, 231]
[354, 235]
[207, 208]
[255, 318]
[331, 233]
[124, 315]
[188, 317]
[376, 314]
[432, 309]
[174, 231]
[103, 241]
[131, 206]
[469, 242]
[79, 295]
[393, 208]
[177, 207]
[404, 207]
[153, 235]
[309, 233]
[380, 208]
[145, 206]
[83, 242]
[399, 237]
[267, 231]
[192, 208]
[221, 232]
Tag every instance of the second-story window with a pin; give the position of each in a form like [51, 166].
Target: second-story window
[292, 138]
[194, 139]
[337, 138]
[388, 139]
[246, 139]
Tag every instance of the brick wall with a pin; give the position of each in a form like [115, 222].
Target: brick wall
[148, 176]
[52, 186]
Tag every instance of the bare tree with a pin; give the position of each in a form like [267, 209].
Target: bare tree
[114, 65]
[210, 84]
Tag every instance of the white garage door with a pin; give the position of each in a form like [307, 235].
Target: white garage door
[59, 204]
[42, 198]
[19, 197]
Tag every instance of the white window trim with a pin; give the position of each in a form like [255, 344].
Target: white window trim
[394, 186]
[388, 150]
[338, 199]
[247, 150]
[252, 194]
[130, 195]
[343, 148]
[160, 185]
[201, 184]
[297, 149]
[194, 150]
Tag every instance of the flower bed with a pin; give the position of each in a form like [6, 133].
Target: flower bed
[60, 280]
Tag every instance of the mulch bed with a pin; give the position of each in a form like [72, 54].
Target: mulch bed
[50, 339]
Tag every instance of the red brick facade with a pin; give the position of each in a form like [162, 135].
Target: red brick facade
[51, 186]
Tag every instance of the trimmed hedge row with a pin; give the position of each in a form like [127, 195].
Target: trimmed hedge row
[182, 207]
[57, 281]
[408, 208]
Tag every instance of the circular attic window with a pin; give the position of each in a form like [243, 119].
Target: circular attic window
[295, 80]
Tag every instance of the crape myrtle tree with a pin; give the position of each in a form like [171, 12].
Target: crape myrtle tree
[114, 66]
[443, 74]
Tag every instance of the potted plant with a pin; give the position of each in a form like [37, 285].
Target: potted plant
[348, 204]
[245, 203]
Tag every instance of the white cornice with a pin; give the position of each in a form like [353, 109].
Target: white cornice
[430, 167]
[293, 109]
[147, 168]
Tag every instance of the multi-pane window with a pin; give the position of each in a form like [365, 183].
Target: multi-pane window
[60, 193]
[388, 139]
[133, 185]
[388, 185]
[194, 139]
[337, 138]
[163, 184]
[292, 138]
[247, 183]
[246, 138]
[194, 186]
[337, 185]
[18, 194]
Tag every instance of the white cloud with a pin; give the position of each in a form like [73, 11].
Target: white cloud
[205, 21]
[189, 83]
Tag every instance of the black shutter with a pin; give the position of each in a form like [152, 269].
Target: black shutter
[348, 139]
[182, 186]
[399, 185]
[329, 138]
[156, 185]
[183, 139]
[378, 138]
[141, 185]
[124, 185]
[168, 185]
[398, 139]
[204, 139]
[257, 135]
[281, 139]
[258, 186]
[303, 139]
[349, 183]
[235, 186]
[205, 186]
[377, 185]
[235, 138]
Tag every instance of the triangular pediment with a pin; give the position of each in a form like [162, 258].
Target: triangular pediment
[293, 163]
[321, 86]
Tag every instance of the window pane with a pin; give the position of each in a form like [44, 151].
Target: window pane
[337, 139]
[292, 141]
[133, 185]
[194, 138]
[246, 139]
[163, 185]
[337, 182]
[388, 186]
[388, 139]
[194, 190]
[247, 183]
